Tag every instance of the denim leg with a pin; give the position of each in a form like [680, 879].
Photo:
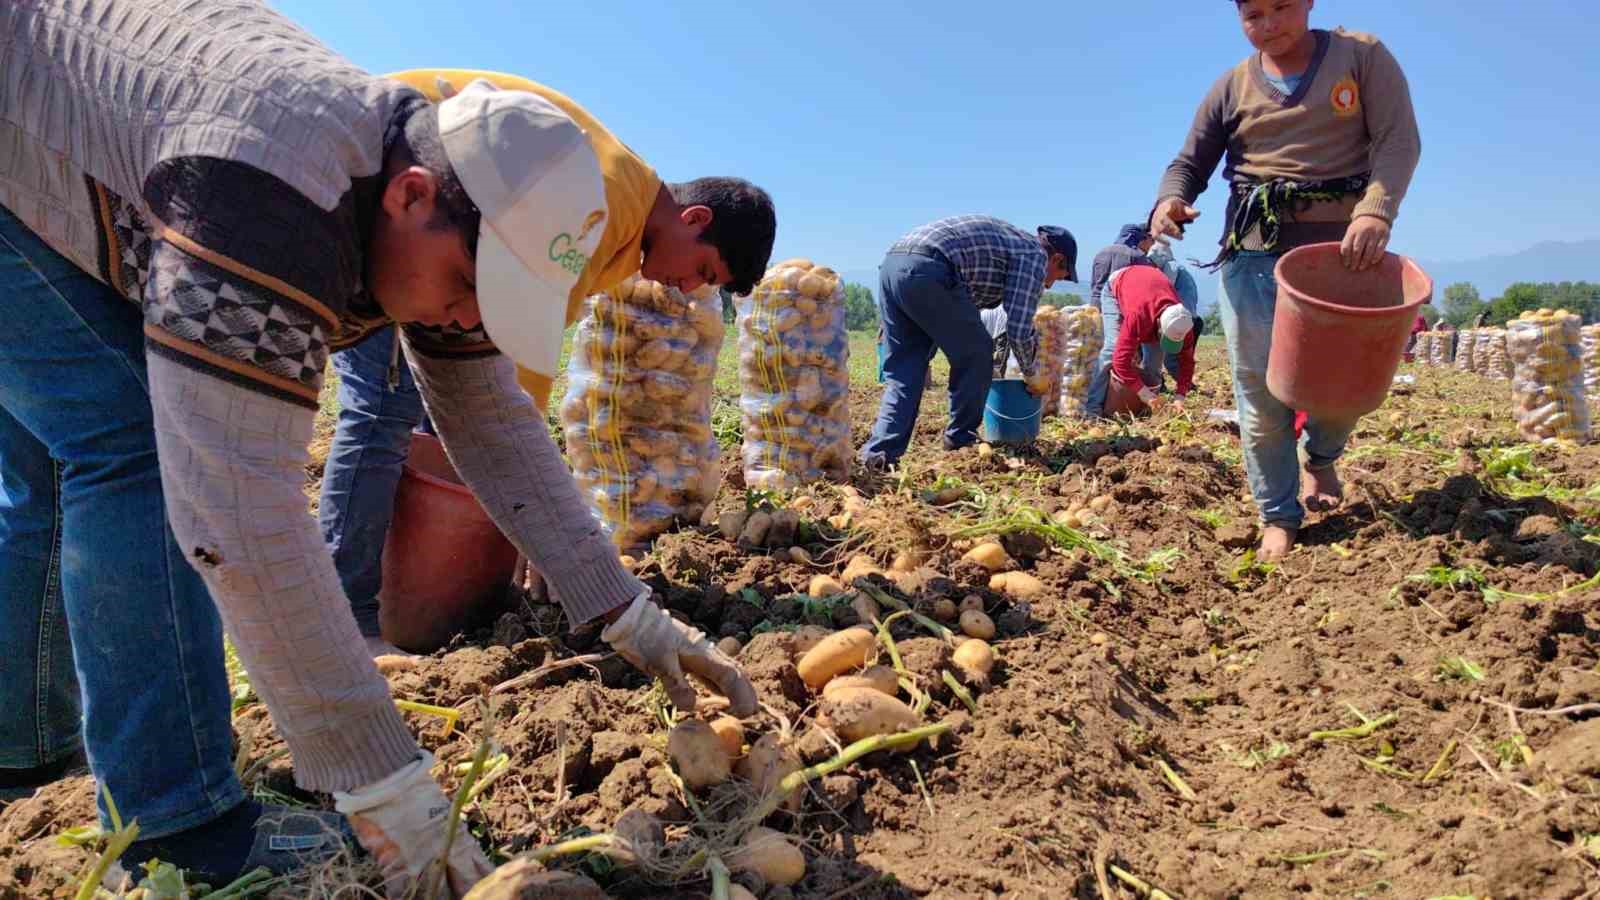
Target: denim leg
[1247, 299]
[948, 316]
[39, 711]
[370, 444]
[1324, 441]
[1151, 358]
[146, 638]
[1111, 320]
[905, 368]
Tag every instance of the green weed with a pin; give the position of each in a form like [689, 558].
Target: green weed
[1458, 668]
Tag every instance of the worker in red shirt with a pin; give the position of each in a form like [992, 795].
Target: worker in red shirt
[1151, 311]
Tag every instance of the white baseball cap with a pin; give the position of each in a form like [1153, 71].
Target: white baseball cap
[1176, 323]
[533, 175]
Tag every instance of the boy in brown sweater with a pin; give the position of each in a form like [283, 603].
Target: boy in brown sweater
[1321, 142]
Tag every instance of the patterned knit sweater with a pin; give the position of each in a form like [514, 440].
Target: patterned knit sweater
[212, 162]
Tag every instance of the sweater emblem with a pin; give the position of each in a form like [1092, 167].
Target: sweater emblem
[1346, 98]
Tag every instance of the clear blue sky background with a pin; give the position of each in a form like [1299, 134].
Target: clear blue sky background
[866, 118]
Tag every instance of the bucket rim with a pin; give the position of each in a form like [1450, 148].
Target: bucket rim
[1365, 312]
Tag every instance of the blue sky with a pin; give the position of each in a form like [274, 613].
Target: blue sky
[864, 119]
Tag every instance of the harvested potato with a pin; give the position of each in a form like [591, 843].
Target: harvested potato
[730, 645]
[698, 754]
[945, 610]
[879, 678]
[1017, 584]
[975, 623]
[731, 523]
[1067, 518]
[839, 652]
[1100, 504]
[769, 761]
[971, 601]
[390, 663]
[785, 526]
[824, 586]
[860, 712]
[770, 855]
[644, 832]
[974, 659]
[730, 732]
[755, 530]
[904, 562]
[800, 555]
[990, 555]
[947, 496]
[859, 566]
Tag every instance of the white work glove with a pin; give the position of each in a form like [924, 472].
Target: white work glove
[402, 821]
[660, 645]
[1147, 395]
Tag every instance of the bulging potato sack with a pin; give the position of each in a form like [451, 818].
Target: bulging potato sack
[1051, 327]
[794, 377]
[1466, 340]
[1590, 338]
[637, 412]
[1547, 394]
[1083, 336]
[1422, 346]
[1489, 356]
[1441, 351]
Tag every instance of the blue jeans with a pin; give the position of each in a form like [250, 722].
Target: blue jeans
[108, 638]
[1149, 358]
[1266, 426]
[925, 308]
[370, 444]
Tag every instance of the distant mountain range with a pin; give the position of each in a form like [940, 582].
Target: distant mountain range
[1546, 261]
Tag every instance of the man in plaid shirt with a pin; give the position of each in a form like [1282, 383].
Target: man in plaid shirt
[931, 286]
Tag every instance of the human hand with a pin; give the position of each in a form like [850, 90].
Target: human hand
[1147, 396]
[402, 821]
[1364, 243]
[1177, 403]
[1170, 216]
[660, 645]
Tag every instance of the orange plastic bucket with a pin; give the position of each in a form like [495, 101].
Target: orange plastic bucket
[1337, 335]
[443, 558]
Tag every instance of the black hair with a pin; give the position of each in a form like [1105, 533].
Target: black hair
[420, 145]
[743, 225]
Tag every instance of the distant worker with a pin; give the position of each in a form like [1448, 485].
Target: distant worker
[1188, 292]
[1321, 142]
[933, 283]
[1150, 313]
[1418, 326]
[1130, 249]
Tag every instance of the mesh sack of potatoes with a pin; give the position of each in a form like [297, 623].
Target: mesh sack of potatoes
[1466, 340]
[637, 412]
[793, 376]
[1591, 362]
[1441, 351]
[1546, 352]
[1420, 348]
[1083, 336]
[1051, 327]
[1489, 356]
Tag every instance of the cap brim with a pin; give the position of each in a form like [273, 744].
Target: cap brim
[511, 300]
[1171, 346]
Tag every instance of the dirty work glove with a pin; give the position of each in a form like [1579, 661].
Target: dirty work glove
[402, 821]
[660, 645]
[1147, 395]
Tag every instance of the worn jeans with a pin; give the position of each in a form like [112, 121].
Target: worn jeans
[108, 638]
[370, 444]
[1149, 357]
[1266, 426]
[925, 308]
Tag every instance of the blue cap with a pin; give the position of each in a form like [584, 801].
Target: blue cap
[1061, 241]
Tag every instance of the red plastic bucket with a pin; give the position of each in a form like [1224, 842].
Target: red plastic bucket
[1337, 335]
[443, 558]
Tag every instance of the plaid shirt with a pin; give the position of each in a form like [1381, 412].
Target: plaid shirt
[1001, 265]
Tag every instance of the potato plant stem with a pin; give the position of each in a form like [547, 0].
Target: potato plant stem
[603, 842]
[1144, 888]
[937, 630]
[794, 780]
[450, 716]
[1365, 729]
[119, 840]
[1442, 766]
[961, 693]
[1177, 783]
[719, 877]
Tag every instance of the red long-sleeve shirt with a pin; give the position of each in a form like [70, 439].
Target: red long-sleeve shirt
[1142, 293]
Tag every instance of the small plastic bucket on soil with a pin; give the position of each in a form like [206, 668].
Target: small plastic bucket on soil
[1011, 414]
[443, 558]
[1338, 335]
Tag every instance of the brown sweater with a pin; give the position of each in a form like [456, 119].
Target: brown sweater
[1351, 115]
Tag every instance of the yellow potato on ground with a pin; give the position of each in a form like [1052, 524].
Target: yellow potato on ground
[769, 854]
[769, 761]
[975, 659]
[698, 753]
[1017, 584]
[882, 679]
[975, 623]
[861, 712]
[990, 555]
[839, 652]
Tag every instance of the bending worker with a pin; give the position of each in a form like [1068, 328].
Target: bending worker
[1150, 312]
[1131, 249]
[262, 203]
[932, 285]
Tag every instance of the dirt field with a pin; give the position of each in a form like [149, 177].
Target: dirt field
[1457, 585]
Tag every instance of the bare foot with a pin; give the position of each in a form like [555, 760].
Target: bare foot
[377, 646]
[1276, 541]
[1320, 489]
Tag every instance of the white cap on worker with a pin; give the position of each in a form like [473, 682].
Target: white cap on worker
[1176, 323]
[534, 176]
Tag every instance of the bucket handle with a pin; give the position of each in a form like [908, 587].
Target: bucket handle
[1000, 415]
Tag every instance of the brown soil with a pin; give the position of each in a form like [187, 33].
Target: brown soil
[1216, 669]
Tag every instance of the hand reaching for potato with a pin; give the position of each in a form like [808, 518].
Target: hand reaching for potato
[659, 645]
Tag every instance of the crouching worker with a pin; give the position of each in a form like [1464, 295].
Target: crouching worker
[263, 202]
[1321, 143]
[932, 285]
[1150, 313]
